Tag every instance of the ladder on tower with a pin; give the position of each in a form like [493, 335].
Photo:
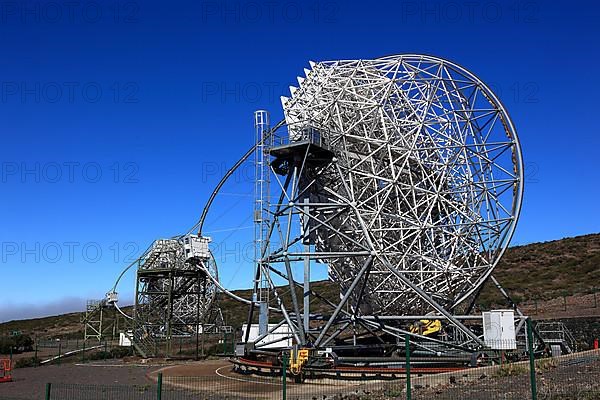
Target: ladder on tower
[261, 210]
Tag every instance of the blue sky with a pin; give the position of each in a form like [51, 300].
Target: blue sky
[118, 118]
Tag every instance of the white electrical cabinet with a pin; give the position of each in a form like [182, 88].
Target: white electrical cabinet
[196, 247]
[499, 329]
[281, 336]
[112, 297]
[125, 339]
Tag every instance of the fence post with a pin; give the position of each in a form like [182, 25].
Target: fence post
[159, 386]
[59, 348]
[197, 342]
[531, 360]
[83, 353]
[48, 389]
[407, 367]
[283, 374]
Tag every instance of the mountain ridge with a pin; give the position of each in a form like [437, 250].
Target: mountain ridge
[536, 272]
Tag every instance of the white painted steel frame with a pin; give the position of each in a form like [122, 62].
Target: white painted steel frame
[419, 202]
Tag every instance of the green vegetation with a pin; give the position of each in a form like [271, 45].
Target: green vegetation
[117, 352]
[546, 364]
[511, 370]
[27, 362]
[15, 344]
[65, 326]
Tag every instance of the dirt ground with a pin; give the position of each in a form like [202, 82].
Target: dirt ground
[216, 379]
[569, 377]
[30, 383]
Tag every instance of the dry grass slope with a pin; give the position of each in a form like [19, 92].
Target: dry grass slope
[548, 270]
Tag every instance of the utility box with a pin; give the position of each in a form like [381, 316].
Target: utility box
[240, 350]
[263, 317]
[281, 337]
[556, 350]
[112, 298]
[125, 339]
[196, 247]
[499, 329]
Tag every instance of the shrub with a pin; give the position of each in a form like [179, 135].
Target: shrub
[117, 352]
[511, 370]
[6, 344]
[27, 362]
[18, 344]
[100, 355]
[24, 342]
[120, 352]
[546, 364]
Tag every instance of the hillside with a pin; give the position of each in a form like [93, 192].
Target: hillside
[548, 270]
[559, 271]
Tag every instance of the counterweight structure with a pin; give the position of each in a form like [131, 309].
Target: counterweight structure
[174, 293]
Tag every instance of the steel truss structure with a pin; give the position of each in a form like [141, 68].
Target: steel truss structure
[175, 294]
[101, 321]
[403, 176]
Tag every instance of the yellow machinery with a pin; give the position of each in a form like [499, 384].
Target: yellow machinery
[426, 327]
[298, 357]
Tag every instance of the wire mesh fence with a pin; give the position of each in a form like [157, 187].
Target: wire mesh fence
[77, 351]
[54, 351]
[504, 370]
[13, 398]
[220, 387]
[570, 377]
[101, 392]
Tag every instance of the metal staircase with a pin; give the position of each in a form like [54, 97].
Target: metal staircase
[557, 335]
[142, 342]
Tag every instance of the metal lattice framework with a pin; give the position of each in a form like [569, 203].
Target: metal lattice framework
[175, 292]
[404, 176]
[101, 321]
